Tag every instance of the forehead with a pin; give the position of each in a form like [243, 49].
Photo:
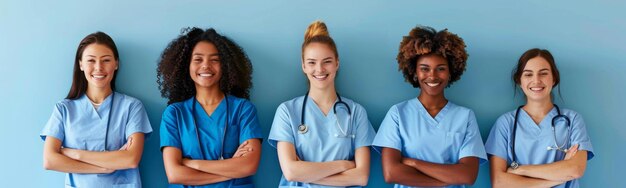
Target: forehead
[318, 50]
[204, 48]
[98, 50]
[431, 60]
[537, 63]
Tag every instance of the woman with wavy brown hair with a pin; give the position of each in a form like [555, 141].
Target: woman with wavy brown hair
[429, 141]
[210, 134]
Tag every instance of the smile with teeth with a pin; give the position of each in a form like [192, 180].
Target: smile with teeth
[205, 74]
[319, 77]
[433, 84]
[536, 88]
[98, 76]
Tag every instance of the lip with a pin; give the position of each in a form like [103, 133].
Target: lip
[206, 75]
[98, 76]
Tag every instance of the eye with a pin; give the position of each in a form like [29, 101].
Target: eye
[441, 68]
[328, 61]
[215, 60]
[310, 62]
[197, 60]
[91, 60]
[424, 69]
[543, 74]
[528, 75]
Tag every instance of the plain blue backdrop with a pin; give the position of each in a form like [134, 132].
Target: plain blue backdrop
[38, 41]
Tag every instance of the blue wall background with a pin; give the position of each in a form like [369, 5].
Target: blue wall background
[38, 40]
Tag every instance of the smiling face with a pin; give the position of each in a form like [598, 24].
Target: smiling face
[433, 74]
[205, 67]
[320, 65]
[537, 79]
[99, 65]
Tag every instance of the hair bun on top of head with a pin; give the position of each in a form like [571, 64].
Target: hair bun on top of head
[317, 28]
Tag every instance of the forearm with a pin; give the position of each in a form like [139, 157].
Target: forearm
[62, 163]
[509, 180]
[564, 170]
[189, 176]
[352, 177]
[402, 174]
[234, 168]
[308, 172]
[460, 173]
[117, 160]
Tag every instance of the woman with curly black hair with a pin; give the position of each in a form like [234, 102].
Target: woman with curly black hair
[429, 141]
[210, 134]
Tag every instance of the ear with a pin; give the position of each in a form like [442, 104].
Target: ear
[80, 65]
[303, 66]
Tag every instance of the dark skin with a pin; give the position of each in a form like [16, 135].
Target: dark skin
[433, 75]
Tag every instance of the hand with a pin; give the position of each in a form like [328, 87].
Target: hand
[127, 145]
[243, 150]
[71, 153]
[349, 165]
[571, 152]
[407, 161]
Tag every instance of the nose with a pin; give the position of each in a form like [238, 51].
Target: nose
[318, 67]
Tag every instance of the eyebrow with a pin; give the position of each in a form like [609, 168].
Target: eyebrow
[102, 56]
[201, 54]
[526, 70]
[327, 58]
[426, 65]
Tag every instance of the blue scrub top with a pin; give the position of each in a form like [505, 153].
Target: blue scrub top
[453, 134]
[324, 141]
[178, 130]
[531, 140]
[80, 126]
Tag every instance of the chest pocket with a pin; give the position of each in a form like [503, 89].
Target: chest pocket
[231, 142]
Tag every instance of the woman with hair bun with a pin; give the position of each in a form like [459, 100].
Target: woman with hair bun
[322, 138]
[429, 141]
[210, 134]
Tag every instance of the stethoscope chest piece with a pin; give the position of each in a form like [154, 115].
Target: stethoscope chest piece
[303, 129]
[514, 165]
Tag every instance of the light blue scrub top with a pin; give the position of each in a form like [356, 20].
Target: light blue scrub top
[80, 126]
[531, 140]
[453, 134]
[323, 141]
[178, 130]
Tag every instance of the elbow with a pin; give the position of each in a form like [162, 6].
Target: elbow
[48, 164]
[248, 170]
[362, 180]
[389, 176]
[466, 180]
[576, 172]
[291, 174]
[175, 178]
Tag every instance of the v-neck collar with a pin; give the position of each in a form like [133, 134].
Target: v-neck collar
[219, 110]
[547, 119]
[102, 110]
[438, 118]
[319, 110]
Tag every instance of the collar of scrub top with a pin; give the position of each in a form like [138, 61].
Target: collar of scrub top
[515, 164]
[302, 128]
[193, 112]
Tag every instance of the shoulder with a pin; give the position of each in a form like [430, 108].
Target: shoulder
[353, 104]
[178, 106]
[460, 109]
[506, 120]
[570, 113]
[127, 100]
[292, 103]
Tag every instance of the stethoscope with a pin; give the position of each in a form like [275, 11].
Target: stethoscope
[193, 112]
[563, 148]
[106, 134]
[303, 128]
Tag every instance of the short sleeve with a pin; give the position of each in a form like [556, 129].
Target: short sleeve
[281, 130]
[473, 144]
[169, 128]
[138, 120]
[364, 131]
[249, 126]
[389, 132]
[55, 126]
[579, 136]
[497, 142]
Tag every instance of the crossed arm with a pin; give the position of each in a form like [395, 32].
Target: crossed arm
[83, 161]
[546, 175]
[332, 173]
[414, 172]
[200, 172]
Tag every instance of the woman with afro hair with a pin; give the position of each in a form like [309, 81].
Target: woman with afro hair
[210, 134]
[323, 139]
[429, 141]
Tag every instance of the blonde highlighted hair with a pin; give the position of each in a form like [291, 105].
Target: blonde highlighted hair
[317, 32]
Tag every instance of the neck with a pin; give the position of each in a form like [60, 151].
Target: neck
[432, 102]
[323, 96]
[97, 95]
[538, 108]
[209, 96]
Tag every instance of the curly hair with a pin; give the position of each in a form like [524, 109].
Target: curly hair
[173, 76]
[424, 40]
